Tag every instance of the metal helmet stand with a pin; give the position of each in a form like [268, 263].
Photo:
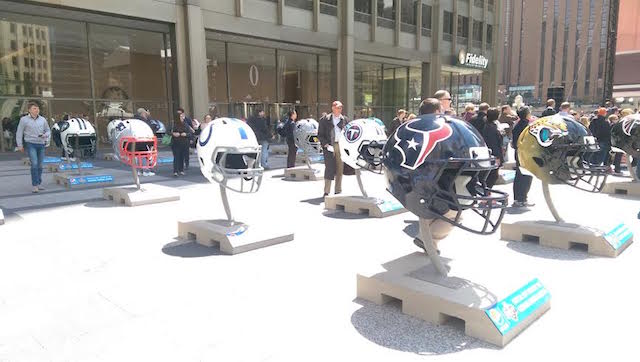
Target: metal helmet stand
[225, 201]
[550, 205]
[136, 178]
[76, 149]
[630, 168]
[364, 193]
[429, 246]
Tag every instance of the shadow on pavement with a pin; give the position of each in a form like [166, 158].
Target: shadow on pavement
[386, 326]
[539, 251]
[189, 249]
[317, 201]
[344, 215]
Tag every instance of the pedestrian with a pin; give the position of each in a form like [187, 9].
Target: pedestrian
[397, 121]
[565, 109]
[35, 130]
[261, 126]
[179, 147]
[289, 127]
[430, 106]
[584, 120]
[617, 158]
[329, 134]
[188, 124]
[444, 98]
[469, 112]
[205, 121]
[550, 110]
[521, 183]
[601, 130]
[480, 119]
[493, 139]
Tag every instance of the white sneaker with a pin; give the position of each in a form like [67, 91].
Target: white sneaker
[72, 159]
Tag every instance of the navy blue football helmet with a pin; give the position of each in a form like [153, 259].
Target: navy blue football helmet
[437, 167]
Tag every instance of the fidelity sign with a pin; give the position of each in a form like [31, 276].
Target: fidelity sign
[472, 60]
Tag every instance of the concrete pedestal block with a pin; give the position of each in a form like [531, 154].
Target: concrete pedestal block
[70, 180]
[372, 206]
[302, 173]
[110, 156]
[47, 160]
[278, 149]
[630, 188]
[427, 295]
[505, 177]
[148, 194]
[231, 238]
[65, 167]
[565, 236]
[1, 217]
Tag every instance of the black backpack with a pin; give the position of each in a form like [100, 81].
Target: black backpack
[281, 128]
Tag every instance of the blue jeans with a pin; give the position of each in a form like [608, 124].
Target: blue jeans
[36, 155]
[264, 160]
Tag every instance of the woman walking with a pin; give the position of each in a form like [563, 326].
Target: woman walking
[179, 147]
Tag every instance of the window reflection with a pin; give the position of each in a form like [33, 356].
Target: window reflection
[54, 63]
[217, 78]
[127, 64]
[297, 73]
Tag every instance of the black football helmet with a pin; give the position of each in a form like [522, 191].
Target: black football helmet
[625, 135]
[557, 149]
[437, 167]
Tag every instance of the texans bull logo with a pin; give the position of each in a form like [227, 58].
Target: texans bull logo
[352, 132]
[415, 145]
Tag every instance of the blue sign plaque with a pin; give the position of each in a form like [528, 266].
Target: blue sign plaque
[618, 236]
[514, 309]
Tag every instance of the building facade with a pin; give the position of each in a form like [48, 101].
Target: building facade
[233, 57]
[626, 81]
[555, 43]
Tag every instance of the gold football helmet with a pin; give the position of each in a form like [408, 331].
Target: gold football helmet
[557, 149]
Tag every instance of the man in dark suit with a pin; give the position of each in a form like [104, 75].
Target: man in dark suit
[329, 133]
[480, 119]
[550, 110]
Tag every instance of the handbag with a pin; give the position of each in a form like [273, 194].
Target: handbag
[166, 139]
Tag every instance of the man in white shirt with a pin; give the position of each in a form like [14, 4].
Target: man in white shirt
[329, 132]
[565, 107]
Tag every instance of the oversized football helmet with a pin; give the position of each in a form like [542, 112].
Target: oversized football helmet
[134, 143]
[229, 154]
[362, 143]
[625, 135]
[305, 135]
[158, 126]
[77, 137]
[437, 167]
[557, 149]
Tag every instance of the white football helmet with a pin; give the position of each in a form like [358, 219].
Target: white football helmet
[124, 134]
[77, 137]
[362, 142]
[228, 150]
[305, 134]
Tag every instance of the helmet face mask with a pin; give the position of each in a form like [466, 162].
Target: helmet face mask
[445, 174]
[558, 149]
[229, 155]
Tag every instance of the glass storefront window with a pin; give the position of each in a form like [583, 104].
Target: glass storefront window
[252, 73]
[387, 13]
[217, 78]
[127, 64]
[63, 52]
[297, 81]
[325, 84]
[415, 90]
[367, 88]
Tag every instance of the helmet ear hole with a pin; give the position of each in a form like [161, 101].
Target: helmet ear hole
[201, 161]
[539, 161]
